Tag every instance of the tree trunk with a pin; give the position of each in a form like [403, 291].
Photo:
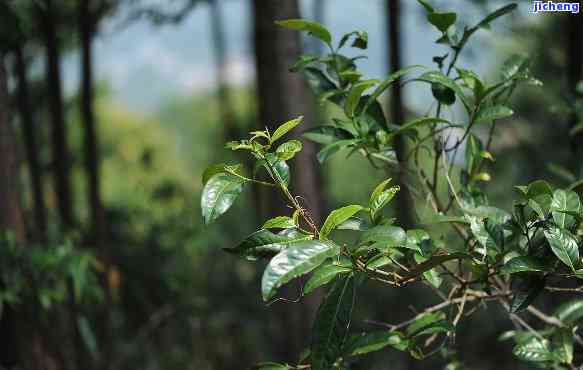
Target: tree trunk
[61, 160]
[91, 142]
[282, 96]
[30, 140]
[574, 75]
[20, 342]
[225, 103]
[406, 210]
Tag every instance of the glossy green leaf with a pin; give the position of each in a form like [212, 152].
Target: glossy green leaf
[524, 264]
[488, 233]
[364, 343]
[333, 148]
[390, 80]
[534, 350]
[319, 82]
[355, 94]
[265, 244]
[288, 150]
[294, 261]
[218, 195]
[423, 322]
[285, 128]
[313, 28]
[562, 345]
[564, 200]
[570, 312]
[384, 236]
[525, 288]
[492, 113]
[439, 78]
[354, 223]
[324, 274]
[332, 323]
[443, 94]
[513, 66]
[442, 21]
[564, 246]
[337, 217]
[382, 199]
[280, 222]
[277, 168]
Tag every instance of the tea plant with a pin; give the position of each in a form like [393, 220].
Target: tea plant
[492, 256]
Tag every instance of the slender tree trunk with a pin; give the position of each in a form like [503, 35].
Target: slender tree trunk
[225, 103]
[574, 75]
[20, 342]
[405, 204]
[30, 140]
[61, 160]
[283, 96]
[91, 143]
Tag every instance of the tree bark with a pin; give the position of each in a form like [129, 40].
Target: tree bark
[61, 160]
[282, 96]
[574, 75]
[31, 145]
[87, 26]
[405, 205]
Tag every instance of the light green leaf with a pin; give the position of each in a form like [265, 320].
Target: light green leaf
[294, 261]
[564, 246]
[384, 236]
[488, 233]
[324, 274]
[265, 244]
[389, 81]
[280, 222]
[285, 128]
[313, 28]
[570, 312]
[334, 147]
[534, 350]
[562, 345]
[218, 195]
[381, 200]
[495, 112]
[364, 343]
[564, 201]
[523, 264]
[337, 217]
[325, 134]
[442, 21]
[288, 150]
[332, 323]
[354, 223]
[355, 94]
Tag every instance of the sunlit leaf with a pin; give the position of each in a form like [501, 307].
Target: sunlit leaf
[564, 246]
[337, 217]
[324, 274]
[285, 128]
[313, 28]
[218, 195]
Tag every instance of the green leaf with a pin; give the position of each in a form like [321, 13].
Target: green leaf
[426, 5]
[562, 345]
[218, 195]
[526, 288]
[270, 366]
[364, 343]
[332, 323]
[337, 217]
[514, 65]
[496, 14]
[294, 261]
[384, 236]
[564, 246]
[524, 264]
[439, 78]
[424, 324]
[565, 201]
[378, 190]
[570, 312]
[416, 123]
[355, 94]
[389, 81]
[319, 82]
[313, 28]
[281, 168]
[265, 244]
[381, 200]
[443, 94]
[354, 223]
[360, 40]
[303, 61]
[442, 21]
[324, 274]
[288, 150]
[285, 128]
[326, 134]
[488, 233]
[492, 113]
[534, 350]
[280, 222]
[432, 276]
[333, 148]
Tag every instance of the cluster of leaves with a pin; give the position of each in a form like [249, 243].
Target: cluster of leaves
[503, 257]
[47, 276]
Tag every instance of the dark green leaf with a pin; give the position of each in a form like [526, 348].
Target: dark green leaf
[488, 233]
[514, 66]
[294, 261]
[313, 28]
[390, 80]
[570, 312]
[524, 264]
[525, 288]
[439, 78]
[426, 5]
[280, 222]
[355, 94]
[375, 341]
[331, 149]
[564, 200]
[416, 123]
[332, 322]
[288, 150]
[265, 244]
[564, 246]
[280, 168]
[432, 276]
[562, 345]
[326, 134]
[496, 14]
[270, 366]
[319, 82]
[384, 236]
[534, 350]
[442, 21]
[218, 195]
[303, 62]
[443, 94]
[324, 274]
[492, 113]
[337, 217]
